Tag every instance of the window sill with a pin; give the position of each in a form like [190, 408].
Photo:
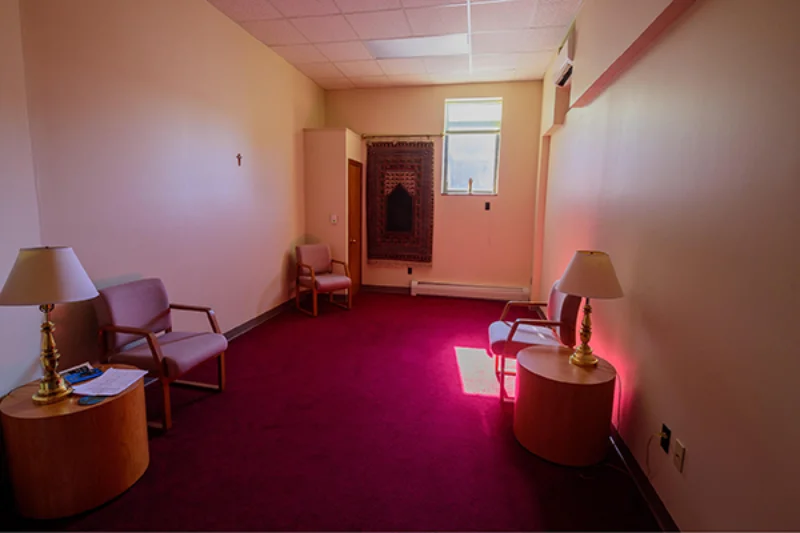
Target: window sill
[469, 194]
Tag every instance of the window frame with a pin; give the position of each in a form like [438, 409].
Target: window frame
[497, 132]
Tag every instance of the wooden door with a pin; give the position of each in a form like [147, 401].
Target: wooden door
[354, 202]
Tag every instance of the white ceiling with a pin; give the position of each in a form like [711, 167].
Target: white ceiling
[328, 40]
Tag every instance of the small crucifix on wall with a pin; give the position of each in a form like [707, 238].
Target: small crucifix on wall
[239, 159]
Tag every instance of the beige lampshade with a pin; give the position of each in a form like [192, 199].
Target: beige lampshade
[47, 275]
[590, 274]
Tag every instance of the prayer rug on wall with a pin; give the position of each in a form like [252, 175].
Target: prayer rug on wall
[400, 201]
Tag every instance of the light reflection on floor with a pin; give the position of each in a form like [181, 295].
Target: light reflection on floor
[476, 370]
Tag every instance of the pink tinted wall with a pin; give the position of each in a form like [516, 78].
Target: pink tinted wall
[686, 171]
[470, 245]
[19, 213]
[138, 110]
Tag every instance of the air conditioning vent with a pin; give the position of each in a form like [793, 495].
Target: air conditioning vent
[562, 68]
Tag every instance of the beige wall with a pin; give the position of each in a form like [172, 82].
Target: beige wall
[19, 214]
[138, 109]
[470, 245]
[686, 172]
[604, 29]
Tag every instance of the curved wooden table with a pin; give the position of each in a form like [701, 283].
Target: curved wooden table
[66, 458]
[562, 412]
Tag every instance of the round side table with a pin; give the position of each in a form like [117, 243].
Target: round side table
[66, 458]
[562, 412]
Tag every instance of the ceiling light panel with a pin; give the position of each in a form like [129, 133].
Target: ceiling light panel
[438, 20]
[305, 8]
[242, 10]
[350, 51]
[443, 45]
[380, 24]
[274, 32]
[332, 28]
[354, 6]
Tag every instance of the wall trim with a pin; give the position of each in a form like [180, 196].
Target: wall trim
[386, 289]
[657, 507]
[241, 329]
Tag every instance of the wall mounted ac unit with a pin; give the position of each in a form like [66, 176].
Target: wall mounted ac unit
[481, 292]
[562, 67]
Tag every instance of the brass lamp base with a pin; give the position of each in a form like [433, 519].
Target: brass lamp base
[583, 355]
[52, 387]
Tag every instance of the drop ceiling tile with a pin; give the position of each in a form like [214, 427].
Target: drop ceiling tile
[535, 60]
[299, 53]
[274, 32]
[360, 69]
[531, 60]
[428, 3]
[554, 14]
[241, 10]
[350, 51]
[435, 65]
[332, 28]
[403, 66]
[371, 81]
[532, 40]
[380, 24]
[410, 79]
[516, 14]
[438, 20]
[305, 8]
[326, 70]
[335, 83]
[354, 6]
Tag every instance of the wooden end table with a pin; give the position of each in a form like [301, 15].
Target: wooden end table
[562, 412]
[66, 458]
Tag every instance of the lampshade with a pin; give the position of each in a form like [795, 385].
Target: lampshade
[590, 274]
[47, 275]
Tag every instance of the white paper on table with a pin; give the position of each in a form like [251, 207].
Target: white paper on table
[112, 382]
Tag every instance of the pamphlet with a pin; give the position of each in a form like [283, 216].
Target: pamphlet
[112, 382]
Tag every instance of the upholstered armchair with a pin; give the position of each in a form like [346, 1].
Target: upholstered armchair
[141, 311]
[556, 327]
[315, 274]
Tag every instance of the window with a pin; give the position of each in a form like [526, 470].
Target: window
[471, 145]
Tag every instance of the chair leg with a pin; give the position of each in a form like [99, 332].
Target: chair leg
[167, 407]
[502, 378]
[221, 371]
[350, 297]
[314, 300]
[297, 297]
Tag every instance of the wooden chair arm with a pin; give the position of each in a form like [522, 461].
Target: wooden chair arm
[212, 317]
[346, 267]
[519, 303]
[152, 341]
[301, 266]
[531, 322]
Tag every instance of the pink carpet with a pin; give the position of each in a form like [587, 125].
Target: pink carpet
[382, 418]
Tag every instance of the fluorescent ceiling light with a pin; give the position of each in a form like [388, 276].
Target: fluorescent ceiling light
[443, 45]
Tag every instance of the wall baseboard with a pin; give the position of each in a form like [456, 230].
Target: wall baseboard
[386, 289]
[257, 321]
[657, 507]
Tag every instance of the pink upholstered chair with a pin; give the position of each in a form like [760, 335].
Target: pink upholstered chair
[315, 273]
[139, 310]
[555, 328]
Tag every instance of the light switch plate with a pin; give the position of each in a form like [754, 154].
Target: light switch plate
[678, 455]
[334, 219]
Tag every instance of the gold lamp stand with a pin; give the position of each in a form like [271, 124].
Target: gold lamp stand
[52, 387]
[583, 355]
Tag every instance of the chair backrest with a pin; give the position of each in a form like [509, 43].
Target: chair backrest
[317, 256]
[139, 304]
[563, 308]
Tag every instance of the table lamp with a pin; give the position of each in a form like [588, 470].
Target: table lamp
[590, 274]
[44, 277]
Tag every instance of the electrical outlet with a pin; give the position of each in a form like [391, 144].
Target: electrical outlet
[678, 455]
[666, 433]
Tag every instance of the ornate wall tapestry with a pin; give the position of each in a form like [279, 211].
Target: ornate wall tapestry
[400, 201]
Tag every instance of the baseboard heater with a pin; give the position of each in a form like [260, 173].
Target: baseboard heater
[481, 292]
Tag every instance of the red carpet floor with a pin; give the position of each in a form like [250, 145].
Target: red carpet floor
[383, 418]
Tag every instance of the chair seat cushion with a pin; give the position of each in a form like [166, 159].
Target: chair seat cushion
[327, 282]
[181, 351]
[525, 336]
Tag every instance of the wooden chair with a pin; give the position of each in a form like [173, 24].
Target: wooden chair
[139, 310]
[315, 273]
[556, 327]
